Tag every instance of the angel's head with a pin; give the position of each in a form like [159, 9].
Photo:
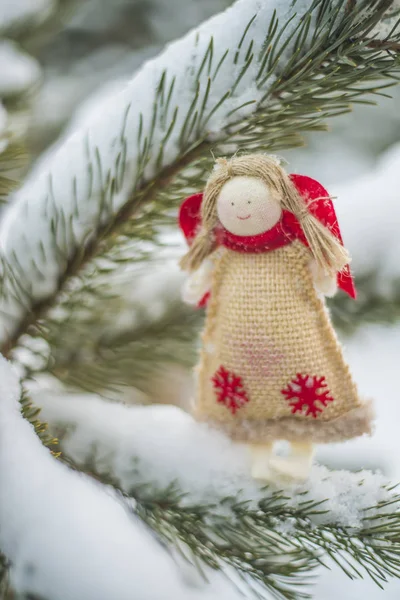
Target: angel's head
[246, 205]
[246, 195]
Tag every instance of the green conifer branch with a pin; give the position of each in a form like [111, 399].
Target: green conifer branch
[12, 158]
[333, 64]
[272, 546]
[106, 360]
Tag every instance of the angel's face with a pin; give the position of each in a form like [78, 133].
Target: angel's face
[245, 206]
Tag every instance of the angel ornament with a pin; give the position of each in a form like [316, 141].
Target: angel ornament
[264, 249]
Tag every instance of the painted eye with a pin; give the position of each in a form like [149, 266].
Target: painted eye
[248, 201]
[233, 204]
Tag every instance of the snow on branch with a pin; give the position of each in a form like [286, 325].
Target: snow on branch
[179, 476]
[227, 81]
[69, 537]
[90, 177]
[186, 477]
[163, 444]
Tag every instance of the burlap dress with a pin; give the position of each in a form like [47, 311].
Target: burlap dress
[270, 364]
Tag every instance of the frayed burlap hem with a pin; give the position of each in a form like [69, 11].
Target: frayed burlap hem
[356, 422]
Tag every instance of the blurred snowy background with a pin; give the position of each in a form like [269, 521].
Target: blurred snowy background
[58, 57]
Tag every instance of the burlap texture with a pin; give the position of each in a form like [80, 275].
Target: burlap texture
[266, 323]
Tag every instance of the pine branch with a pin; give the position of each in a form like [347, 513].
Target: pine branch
[17, 291]
[291, 534]
[11, 159]
[269, 545]
[274, 547]
[158, 157]
[212, 517]
[268, 561]
[263, 558]
[98, 357]
[31, 413]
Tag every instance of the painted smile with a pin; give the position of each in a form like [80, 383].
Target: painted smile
[244, 218]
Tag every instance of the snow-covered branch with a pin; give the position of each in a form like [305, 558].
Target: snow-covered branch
[169, 445]
[71, 195]
[69, 537]
[155, 449]
[156, 446]
[219, 75]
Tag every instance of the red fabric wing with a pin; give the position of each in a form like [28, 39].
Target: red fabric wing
[322, 208]
[189, 222]
[189, 216]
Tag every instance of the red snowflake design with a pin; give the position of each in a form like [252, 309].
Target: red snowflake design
[229, 389]
[307, 392]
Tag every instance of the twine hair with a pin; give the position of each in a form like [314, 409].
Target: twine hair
[326, 249]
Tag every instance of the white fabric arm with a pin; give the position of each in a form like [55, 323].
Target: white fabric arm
[198, 283]
[324, 283]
